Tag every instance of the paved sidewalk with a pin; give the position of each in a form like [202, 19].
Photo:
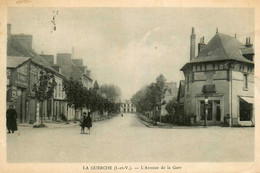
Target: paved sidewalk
[173, 126]
[52, 124]
[63, 124]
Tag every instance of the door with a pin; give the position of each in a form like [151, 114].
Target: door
[216, 112]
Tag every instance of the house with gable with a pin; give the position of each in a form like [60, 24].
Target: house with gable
[222, 72]
[19, 48]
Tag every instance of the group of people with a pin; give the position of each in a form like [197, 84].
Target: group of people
[85, 121]
[11, 124]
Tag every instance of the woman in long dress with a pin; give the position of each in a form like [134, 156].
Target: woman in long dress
[11, 117]
[88, 122]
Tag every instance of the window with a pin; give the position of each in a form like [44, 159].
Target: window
[203, 110]
[245, 81]
[60, 90]
[55, 91]
[245, 110]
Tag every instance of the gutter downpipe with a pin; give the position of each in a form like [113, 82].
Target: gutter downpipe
[230, 96]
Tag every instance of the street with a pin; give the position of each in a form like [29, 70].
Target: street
[126, 139]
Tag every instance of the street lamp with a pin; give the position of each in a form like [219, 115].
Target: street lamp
[206, 110]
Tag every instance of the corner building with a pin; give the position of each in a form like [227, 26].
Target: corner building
[223, 71]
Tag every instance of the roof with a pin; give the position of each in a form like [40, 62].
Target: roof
[247, 50]
[222, 47]
[16, 49]
[15, 61]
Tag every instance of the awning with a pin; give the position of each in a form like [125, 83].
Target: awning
[248, 99]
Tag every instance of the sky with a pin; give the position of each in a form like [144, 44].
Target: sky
[129, 47]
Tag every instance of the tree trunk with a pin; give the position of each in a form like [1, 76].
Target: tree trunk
[41, 109]
[160, 113]
[75, 114]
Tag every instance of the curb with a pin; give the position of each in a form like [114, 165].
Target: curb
[147, 124]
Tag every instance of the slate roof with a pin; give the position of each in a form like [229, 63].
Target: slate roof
[15, 61]
[247, 50]
[16, 49]
[223, 47]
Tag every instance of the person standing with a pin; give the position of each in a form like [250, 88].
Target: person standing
[88, 122]
[11, 117]
[83, 122]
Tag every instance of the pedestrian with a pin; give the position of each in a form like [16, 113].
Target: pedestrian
[122, 115]
[88, 122]
[11, 117]
[83, 122]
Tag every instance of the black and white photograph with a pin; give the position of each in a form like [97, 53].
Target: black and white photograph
[157, 87]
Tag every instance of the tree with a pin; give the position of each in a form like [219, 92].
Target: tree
[44, 89]
[161, 89]
[171, 107]
[96, 86]
[76, 94]
[112, 92]
[110, 96]
[151, 97]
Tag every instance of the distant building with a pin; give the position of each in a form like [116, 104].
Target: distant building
[48, 58]
[223, 71]
[127, 107]
[64, 60]
[74, 68]
[24, 39]
[171, 93]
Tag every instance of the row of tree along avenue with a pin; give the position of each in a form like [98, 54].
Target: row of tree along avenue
[150, 100]
[97, 99]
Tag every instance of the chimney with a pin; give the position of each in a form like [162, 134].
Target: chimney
[56, 68]
[192, 44]
[48, 58]
[77, 61]
[8, 35]
[24, 40]
[201, 45]
[248, 43]
[8, 31]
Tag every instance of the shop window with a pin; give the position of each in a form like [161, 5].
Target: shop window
[203, 110]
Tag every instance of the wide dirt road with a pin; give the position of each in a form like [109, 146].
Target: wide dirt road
[125, 139]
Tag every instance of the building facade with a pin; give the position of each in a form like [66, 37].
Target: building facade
[223, 72]
[17, 86]
[23, 71]
[127, 107]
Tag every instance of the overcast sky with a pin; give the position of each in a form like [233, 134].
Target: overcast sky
[129, 47]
